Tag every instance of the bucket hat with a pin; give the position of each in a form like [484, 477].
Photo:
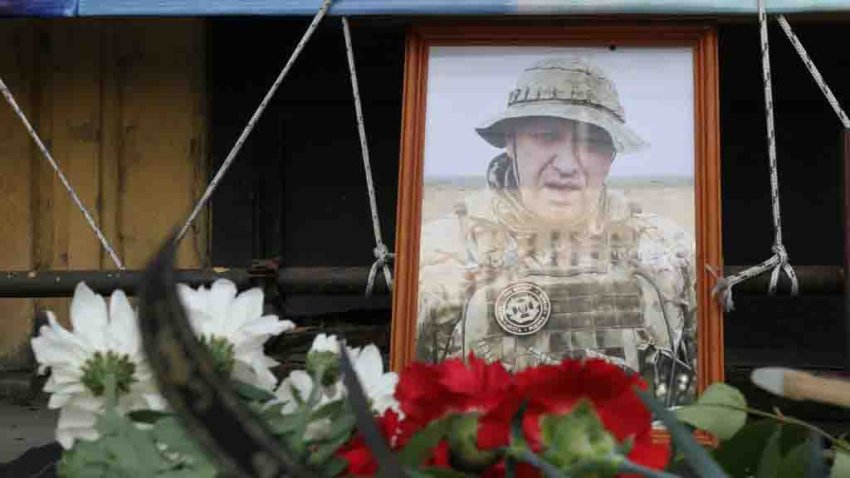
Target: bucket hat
[568, 88]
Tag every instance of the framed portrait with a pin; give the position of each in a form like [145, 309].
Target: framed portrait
[559, 197]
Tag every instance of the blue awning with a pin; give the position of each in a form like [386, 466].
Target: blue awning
[87, 8]
[45, 8]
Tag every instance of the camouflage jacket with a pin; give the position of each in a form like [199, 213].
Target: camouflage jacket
[621, 288]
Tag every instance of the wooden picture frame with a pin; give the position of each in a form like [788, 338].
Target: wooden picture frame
[700, 39]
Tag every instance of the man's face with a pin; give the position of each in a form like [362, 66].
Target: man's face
[562, 166]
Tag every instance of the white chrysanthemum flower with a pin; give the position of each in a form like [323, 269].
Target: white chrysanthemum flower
[234, 329]
[104, 340]
[378, 386]
[295, 390]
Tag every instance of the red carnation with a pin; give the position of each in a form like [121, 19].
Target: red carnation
[556, 389]
[428, 392]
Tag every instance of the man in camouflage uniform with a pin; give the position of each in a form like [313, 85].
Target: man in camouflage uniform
[548, 263]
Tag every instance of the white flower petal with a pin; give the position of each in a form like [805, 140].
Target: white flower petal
[243, 308]
[265, 379]
[267, 326]
[73, 424]
[56, 346]
[122, 330]
[222, 293]
[89, 316]
[325, 343]
[368, 363]
[89, 402]
[287, 325]
[299, 384]
[58, 400]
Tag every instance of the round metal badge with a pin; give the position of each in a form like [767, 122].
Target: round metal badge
[522, 308]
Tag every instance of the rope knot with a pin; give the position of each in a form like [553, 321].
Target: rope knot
[382, 257]
[782, 265]
[781, 253]
[382, 254]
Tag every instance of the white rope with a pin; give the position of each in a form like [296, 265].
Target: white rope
[814, 71]
[779, 261]
[253, 121]
[105, 243]
[382, 254]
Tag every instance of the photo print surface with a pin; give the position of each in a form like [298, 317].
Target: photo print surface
[558, 209]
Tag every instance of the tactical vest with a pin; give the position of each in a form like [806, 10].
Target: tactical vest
[551, 298]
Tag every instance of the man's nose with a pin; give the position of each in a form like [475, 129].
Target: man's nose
[564, 159]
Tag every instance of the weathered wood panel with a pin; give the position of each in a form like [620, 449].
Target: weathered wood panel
[121, 105]
[109, 202]
[16, 67]
[162, 104]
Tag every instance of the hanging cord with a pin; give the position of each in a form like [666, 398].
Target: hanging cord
[253, 121]
[814, 71]
[382, 254]
[779, 261]
[105, 243]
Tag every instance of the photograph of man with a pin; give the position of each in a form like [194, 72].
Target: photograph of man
[550, 262]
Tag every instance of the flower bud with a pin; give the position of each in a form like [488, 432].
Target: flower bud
[578, 437]
[463, 445]
[324, 363]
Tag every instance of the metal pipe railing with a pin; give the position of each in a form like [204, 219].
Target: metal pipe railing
[313, 280]
[292, 280]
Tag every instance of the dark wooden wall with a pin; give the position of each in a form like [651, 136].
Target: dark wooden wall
[807, 330]
[298, 190]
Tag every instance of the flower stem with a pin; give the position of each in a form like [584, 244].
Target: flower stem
[110, 387]
[306, 410]
[784, 419]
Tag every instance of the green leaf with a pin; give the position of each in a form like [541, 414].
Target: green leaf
[122, 450]
[342, 427]
[697, 457]
[420, 445]
[794, 463]
[324, 451]
[170, 433]
[334, 466]
[329, 410]
[793, 435]
[283, 424]
[740, 455]
[250, 392]
[841, 465]
[769, 461]
[720, 410]
[136, 448]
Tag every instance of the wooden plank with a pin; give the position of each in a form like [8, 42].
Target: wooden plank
[76, 139]
[110, 145]
[70, 71]
[163, 141]
[16, 69]
[43, 176]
